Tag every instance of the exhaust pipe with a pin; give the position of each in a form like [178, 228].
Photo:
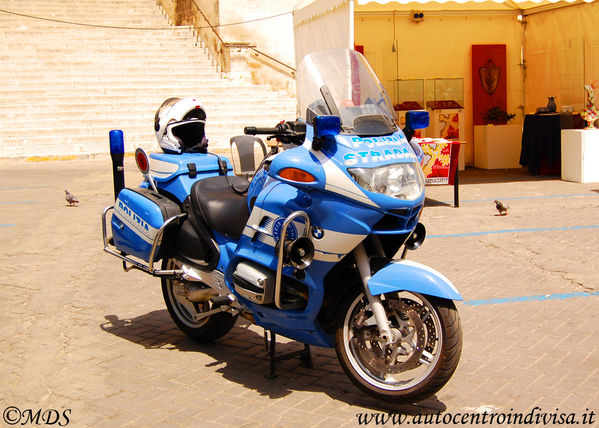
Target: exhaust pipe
[117, 153]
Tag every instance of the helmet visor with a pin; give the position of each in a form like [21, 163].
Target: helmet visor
[190, 134]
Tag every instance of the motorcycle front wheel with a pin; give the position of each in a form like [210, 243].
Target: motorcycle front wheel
[423, 356]
[182, 310]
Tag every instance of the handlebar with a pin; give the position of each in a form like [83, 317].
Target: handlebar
[252, 130]
[290, 132]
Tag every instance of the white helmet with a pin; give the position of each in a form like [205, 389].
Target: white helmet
[180, 126]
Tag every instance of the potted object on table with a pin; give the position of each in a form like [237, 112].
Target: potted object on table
[496, 116]
[590, 113]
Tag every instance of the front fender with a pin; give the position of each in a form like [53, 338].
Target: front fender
[405, 275]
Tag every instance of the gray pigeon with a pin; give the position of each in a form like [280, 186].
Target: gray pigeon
[501, 207]
[71, 199]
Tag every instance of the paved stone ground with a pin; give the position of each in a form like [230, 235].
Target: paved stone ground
[80, 336]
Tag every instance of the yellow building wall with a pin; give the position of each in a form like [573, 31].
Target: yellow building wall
[562, 54]
[441, 47]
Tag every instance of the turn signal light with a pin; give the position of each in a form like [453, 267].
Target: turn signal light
[297, 175]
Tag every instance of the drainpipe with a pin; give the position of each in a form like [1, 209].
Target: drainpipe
[522, 64]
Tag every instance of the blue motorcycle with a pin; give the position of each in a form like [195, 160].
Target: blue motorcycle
[313, 247]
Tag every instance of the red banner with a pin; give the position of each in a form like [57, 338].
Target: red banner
[489, 80]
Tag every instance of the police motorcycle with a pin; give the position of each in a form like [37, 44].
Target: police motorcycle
[307, 249]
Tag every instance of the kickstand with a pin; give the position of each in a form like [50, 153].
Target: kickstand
[269, 345]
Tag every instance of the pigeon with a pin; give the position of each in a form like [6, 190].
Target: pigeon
[501, 207]
[71, 199]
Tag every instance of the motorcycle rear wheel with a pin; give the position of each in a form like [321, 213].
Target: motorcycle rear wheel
[182, 310]
[415, 366]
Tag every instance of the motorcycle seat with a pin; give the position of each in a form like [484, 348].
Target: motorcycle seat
[221, 204]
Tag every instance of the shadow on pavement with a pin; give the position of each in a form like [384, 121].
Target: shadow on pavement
[428, 202]
[244, 357]
[479, 176]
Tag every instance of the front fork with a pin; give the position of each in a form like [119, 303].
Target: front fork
[376, 305]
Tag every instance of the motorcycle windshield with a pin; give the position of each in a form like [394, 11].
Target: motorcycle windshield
[340, 82]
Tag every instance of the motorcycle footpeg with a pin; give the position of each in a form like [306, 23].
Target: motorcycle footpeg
[219, 301]
[219, 304]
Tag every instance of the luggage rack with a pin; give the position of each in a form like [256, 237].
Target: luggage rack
[135, 264]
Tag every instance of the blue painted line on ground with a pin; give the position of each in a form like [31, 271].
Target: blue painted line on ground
[495, 232]
[537, 298]
[16, 202]
[571, 195]
[4, 189]
[7, 225]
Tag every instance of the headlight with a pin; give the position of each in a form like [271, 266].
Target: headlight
[400, 180]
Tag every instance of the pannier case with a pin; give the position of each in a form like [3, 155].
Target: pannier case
[137, 217]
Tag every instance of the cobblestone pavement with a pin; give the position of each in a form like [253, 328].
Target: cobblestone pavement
[96, 345]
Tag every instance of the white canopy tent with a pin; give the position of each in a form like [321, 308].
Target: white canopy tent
[552, 46]
[323, 24]
[330, 23]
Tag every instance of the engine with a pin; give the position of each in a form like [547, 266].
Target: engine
[257, 284]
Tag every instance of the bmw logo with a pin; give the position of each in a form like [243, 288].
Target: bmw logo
[317, 232]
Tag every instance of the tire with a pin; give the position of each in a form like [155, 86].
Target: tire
[181, 310]
[414, 367]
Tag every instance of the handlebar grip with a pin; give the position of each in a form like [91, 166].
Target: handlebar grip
[252, 130]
